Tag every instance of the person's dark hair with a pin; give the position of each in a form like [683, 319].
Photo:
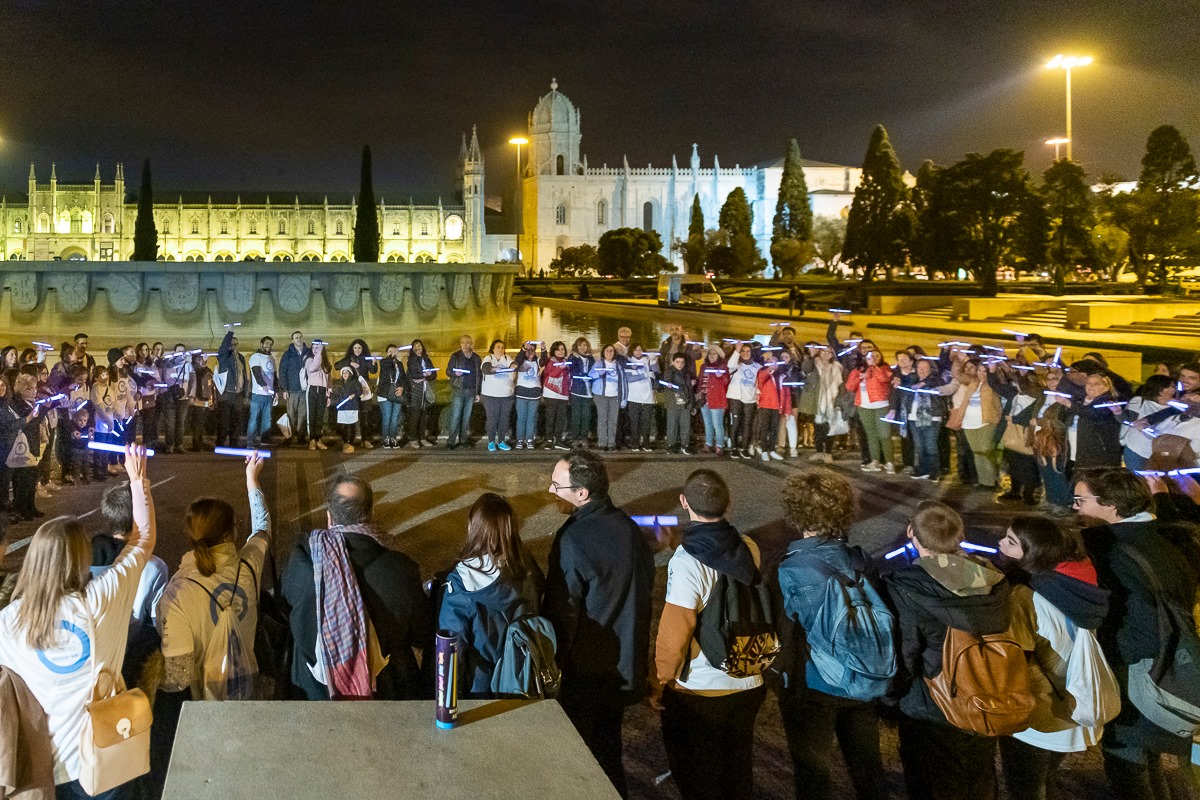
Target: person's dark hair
[264, 340]
[1087, 367]
[1045, 543]
[1034, 337]
[116, 509]
[706, 493]
[31, 368]
[209, 523]
[587, 472]
[350, 500]
[294, 333]
[1191, 366]
[492, 532]
[492, 346]
[938, 527]
[1119, 488]
[1154, 386]
[819, 501]
[79, 336]
[554, 347]
[786, 328]
[1097, 357]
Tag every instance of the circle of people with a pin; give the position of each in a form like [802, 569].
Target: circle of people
[1068, 641]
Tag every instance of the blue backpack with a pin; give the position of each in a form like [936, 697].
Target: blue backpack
[852, 641]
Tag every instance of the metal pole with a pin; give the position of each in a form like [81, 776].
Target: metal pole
[520, 209]
[1070, 137]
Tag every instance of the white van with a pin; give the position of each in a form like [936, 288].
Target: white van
[688, 291]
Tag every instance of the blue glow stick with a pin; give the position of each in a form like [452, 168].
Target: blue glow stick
[993, 347]
[1185, 471]
[162, 385]
[892, 421]
[430, 369]
[344, 401]
[714, 372]
[840, 311]
[689, 341]
[461, 371]
[374, 358]
[735, 341]
[82, 403]
[506, 370]
[319, 341]
[771, 349]
[240, 451]
[1109, 405]
[112, 448]
[791, 383]
[668, 385]
[1057, 356]
[1049, 393]
[43, 345]
[848, 350]
[977, 548]
[900, 550]
[1182, 406]
[1149, 473]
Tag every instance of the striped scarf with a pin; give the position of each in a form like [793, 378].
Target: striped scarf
[341, 617]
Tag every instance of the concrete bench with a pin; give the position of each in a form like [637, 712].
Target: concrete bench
[502, 750]
[1098, 316]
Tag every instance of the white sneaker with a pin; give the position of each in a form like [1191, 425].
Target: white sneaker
[775, 456]
[889, 469]
[766, 457]
[872, 467]
[42, 492]
[794, 453]
[827, 458]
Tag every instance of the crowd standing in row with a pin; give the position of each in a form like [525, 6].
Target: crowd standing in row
[1046, 653]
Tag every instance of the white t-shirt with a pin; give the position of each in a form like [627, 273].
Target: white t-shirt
[149, 591]
[1134, 439]
[865, 401]
[973, 417]
[94, 629]
[498, 385]
[267, 365]
[639, 377]
[743, 380]
[689, 585]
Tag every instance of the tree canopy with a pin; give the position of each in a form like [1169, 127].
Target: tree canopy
[145, 232]
[366, 224]
[579, 260]
[792, 227]
[695, 249]
[876, 229]
[739, 256]
[626, 252]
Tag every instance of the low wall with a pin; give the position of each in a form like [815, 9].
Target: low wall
[1098, 316]
[977, 309]
[905, 304]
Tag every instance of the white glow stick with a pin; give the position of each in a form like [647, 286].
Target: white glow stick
[1014, 333]
[977, 547]
[771, 349]
[208, 355]
[1149, 473]
[461, 371]
[689, 341]
[899, 550]
[1049, 393]
[506, 370]
[344, 401]
[929, 358]
[735, 341]
[112, 448]
[1178, 404]
[321, 342]
[240, 451]
[840, 311]
[1057, 356]
[43, 345]
[714, 372]
[430, 369]
[404, 347]
[233, 324]
[1185, 471]
[892, 421]
[82, 403]
[993, 347]
[668, 385]
[791, 383]
[162, 385]
[1109, 405]
[374, 358]
[1022, 367]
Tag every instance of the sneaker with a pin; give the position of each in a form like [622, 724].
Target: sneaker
[347, 448]
[520, 445]
[737, 454]
[889, 469]
[872, 466]
[793, 453]
[367, 445]
[321, 445]
[491, 447]
[529, 444]
[919, 477]
[312, 444]
[766, 456]
[560, 446]
[775, 456]
[504, 446]
[418, 443]
[719, 452]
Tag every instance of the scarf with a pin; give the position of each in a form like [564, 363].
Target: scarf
[341, 617]
[718, 545]
[831, 383]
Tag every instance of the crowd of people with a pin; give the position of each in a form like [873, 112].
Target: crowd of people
[1057, 627]
[1022, 411]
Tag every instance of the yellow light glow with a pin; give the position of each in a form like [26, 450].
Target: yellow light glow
[1068, 62]
[1058, 140]
[518, 140]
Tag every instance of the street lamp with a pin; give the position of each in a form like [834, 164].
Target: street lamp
[518, 141]
[1058, 141]
[1067, 63]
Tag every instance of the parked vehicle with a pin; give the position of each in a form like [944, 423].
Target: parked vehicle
[695, 291]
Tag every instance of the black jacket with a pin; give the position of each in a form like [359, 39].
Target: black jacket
[391, 374]
[1130, 631]
[598, 587]
[1099, 436]
[931, 597]
[390, 583]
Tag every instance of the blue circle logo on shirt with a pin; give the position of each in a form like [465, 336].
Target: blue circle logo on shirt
[222, 596]
[72, 655]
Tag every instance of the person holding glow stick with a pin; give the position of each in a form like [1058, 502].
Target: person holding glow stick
[317, 372]
[713, 388]
[497, 393]
[610, 393]
[421, 375]
[466, 378]
[346, 392]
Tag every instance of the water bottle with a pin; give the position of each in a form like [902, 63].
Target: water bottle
[446, 713]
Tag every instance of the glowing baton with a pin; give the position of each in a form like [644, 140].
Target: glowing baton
[241, 451]
[993, 347]
[892, 421]
[791, 383]
[506, 370]
[771, 349]
[162, 385]
[977, 547]
[1018, 334]
[714, 372]
[1178, 404]
[1186, 471]
[818, 346]
[840, 311]
[735, 341]
[1057, 356]
[43, 345]
[1109, 405]
[347, 399]
[320, 342]
[900, 550]
[699, 344]
[82, 403]
[1023, 368]
[233, 325]
[461, 371]
[374, 358]
[1049, 393]
[929, 358]
[650, 520]
[1149, 473]
[668, 385]
[404, 347]
[111, 448]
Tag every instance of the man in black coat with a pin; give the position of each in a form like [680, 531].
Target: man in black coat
[389, 583]
[598, 588]
[1122, 502]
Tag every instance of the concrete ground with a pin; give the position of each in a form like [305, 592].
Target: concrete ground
[424, 496]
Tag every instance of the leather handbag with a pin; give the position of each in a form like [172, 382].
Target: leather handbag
[1171, 452]
[1017, 439]
[114, 747]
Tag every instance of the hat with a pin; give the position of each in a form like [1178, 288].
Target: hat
[114, 355]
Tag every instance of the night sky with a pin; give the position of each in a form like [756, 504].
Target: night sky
[282, 95]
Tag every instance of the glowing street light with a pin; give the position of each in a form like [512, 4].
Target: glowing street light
[518, 141]
[1058, 141]
[1067, 63]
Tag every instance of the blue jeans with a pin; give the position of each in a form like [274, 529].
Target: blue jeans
[391, 413]
[714, 426]
[260, 419]
[1133, 461]
[925, 450]
[527, 414]
[461, 404]
[1058, 490]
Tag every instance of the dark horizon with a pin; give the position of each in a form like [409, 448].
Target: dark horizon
[282, 96]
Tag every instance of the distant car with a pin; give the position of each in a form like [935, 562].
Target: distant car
[688, 291]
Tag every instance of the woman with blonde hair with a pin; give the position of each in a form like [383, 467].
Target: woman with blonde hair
[63, 628]
[495, 581]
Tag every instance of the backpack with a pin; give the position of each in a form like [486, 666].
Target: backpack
[1090, 681]
[852, 641]
[983, 687]
[736, 629]
[526, 667]
[228, 660]
[1166, 688]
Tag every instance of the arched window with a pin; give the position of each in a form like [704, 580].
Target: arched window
[166, 227]
[338, 258]
[282, 257]
[222, 257]
[252, 228]
[312, 228]
[310, 257]
[195, 226]
[194, 257]
[85, 221]
[338, 228]
[395, 258]
[170, 257]
[17, 226]
[282, 227]
[560, 214]
[602, 212]
[108, 223]
[648, 216]
[560, 165]
[423, 258]
[44, 223]
[16, 256]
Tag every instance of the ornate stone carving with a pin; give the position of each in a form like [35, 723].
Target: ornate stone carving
[294, 292]
[26, 290]
[182, 293]
[458, 289]
[237, 291]
[124, 291]
[344, 291]
[483, 288]
[389, 292]
[426, 289]
[74, 291]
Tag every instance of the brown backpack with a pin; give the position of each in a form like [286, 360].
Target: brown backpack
[983, 687]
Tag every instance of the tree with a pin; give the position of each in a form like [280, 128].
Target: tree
[695, 249]
[626, 252]
[1112, 249]
[873, 229]
[792, 228]
[740, 256]
[1070, 217]
[366, 225]
[145, 232]
[1168, 204]
[1031, 241]
[829, 234]
[579, 260]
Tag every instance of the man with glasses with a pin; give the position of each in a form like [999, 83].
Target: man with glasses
[598, 588]
[1129, 541]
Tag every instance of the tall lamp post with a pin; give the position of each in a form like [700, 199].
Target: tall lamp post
[1067, 63]
[1059, 141]
[518, 141]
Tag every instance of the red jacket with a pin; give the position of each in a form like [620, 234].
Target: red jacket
[713, 385]
[879, 383]
[768, 389]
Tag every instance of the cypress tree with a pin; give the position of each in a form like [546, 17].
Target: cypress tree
[791, 231]
[366, 225]
[737, 221]
[873, 239]
[145, 232]
[695, 250]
